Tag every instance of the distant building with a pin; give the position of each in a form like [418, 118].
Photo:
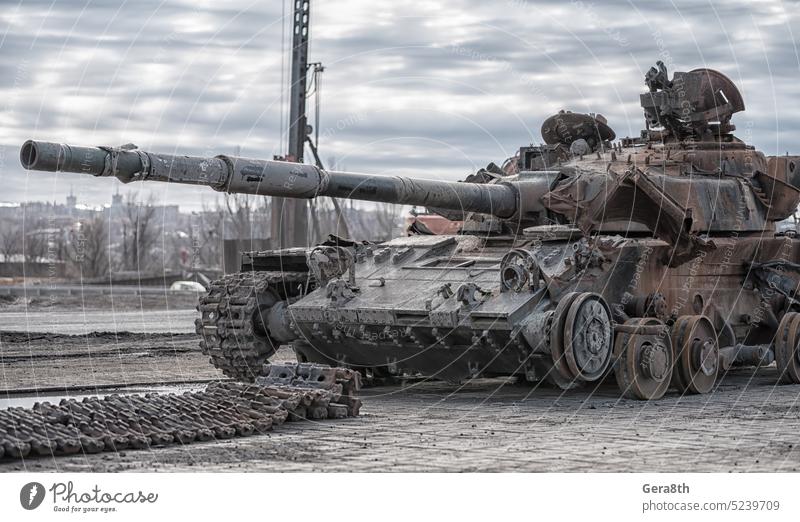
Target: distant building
[72, 201]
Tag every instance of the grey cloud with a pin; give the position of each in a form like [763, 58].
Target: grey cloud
[438, 89]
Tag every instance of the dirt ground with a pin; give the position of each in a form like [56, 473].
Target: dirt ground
[46, 361]
[99, 313]
[91, 302]
[748, 424]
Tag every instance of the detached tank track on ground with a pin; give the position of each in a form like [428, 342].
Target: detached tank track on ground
[226, 323]
[223, 410]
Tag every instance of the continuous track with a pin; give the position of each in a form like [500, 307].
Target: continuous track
[223, 410]
[231, 319]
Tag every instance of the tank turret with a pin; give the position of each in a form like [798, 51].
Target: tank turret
[686, 163]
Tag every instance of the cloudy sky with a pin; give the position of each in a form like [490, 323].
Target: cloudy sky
[429, 89]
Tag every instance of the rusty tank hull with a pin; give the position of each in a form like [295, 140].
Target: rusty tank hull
[653, 261]
[405, 320]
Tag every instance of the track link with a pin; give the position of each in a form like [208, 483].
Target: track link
[292, 392]
[230, 319]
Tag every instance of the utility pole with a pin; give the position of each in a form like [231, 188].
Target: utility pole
[289, 227]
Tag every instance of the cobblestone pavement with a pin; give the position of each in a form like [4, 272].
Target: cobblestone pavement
[747, 425]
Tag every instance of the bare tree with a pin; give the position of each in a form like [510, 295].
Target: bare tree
[248, 215]
[34, 246]
[328, 218]
[209, 236]
[386, 215]
[139, 231]
[239, 208]
[88, 247]
[10, 240]
[378, 223]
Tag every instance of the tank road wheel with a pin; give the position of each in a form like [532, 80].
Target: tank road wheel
[643, 362]
[787, 354]
[563, 377]
[696, 354]
[588, 337]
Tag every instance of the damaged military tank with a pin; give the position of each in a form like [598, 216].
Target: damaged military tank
[652, 260]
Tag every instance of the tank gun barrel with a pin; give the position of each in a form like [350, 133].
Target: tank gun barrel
[268, 177]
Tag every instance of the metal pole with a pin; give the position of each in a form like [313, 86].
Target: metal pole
[289, 225]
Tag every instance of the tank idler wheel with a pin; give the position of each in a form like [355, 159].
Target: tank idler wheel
[696, 352]
[787, 354]
[582, 337]
[643, 362]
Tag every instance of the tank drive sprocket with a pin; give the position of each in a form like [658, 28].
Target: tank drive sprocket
[233, 319]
